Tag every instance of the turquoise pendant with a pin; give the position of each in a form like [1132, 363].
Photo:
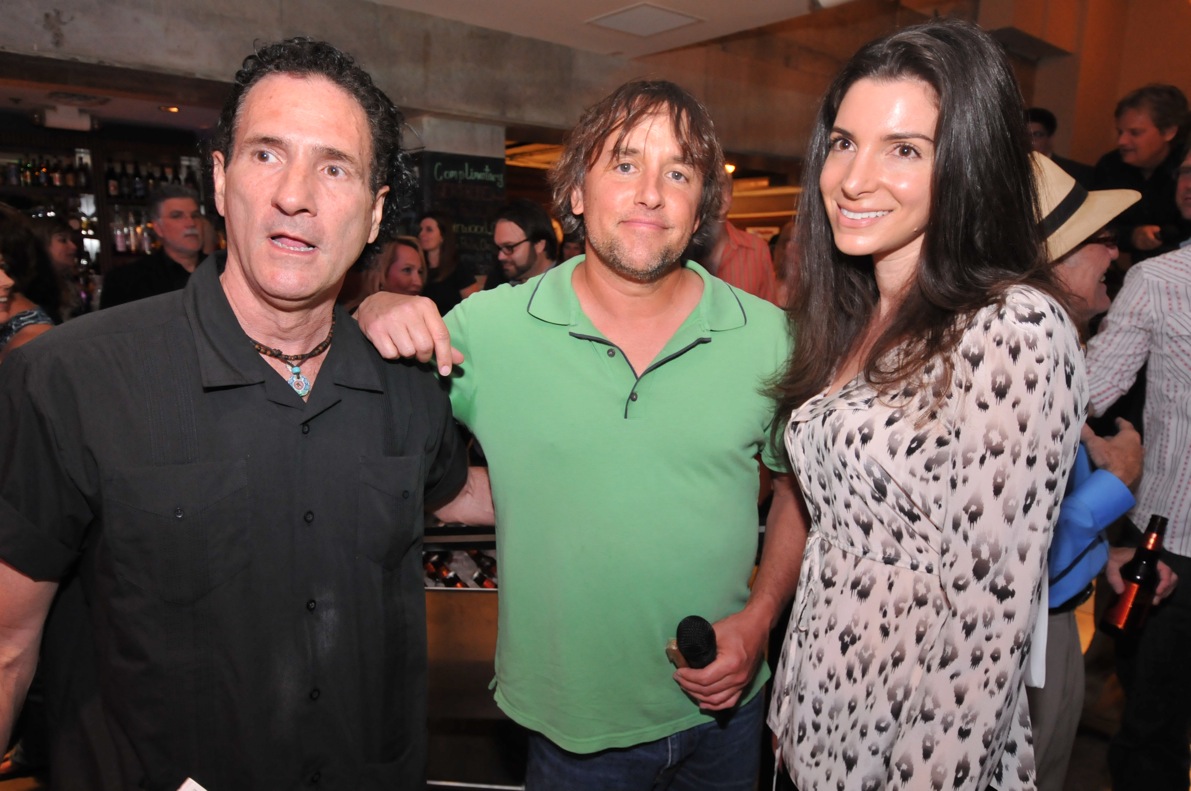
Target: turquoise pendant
[300, 383]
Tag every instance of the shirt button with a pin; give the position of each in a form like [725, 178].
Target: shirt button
[308, 516]
[305, 428]
[405, 494]
[314, 693]
[314, 778]
[177, 513]
[310, 605]
[611, 352]
[632, 396]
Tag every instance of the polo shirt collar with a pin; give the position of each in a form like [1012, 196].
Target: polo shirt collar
[225, 354]
[554, 300]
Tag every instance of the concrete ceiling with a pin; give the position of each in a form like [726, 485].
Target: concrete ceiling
[575, 23]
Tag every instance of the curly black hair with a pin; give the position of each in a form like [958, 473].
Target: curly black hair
[307, 57]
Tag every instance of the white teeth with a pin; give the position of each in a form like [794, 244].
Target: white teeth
[289, 246]
[861, 215]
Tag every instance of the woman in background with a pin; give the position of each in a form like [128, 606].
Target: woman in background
[29, 293]
[449, 283]
[405, 270]
[57, 237]
[932, 410]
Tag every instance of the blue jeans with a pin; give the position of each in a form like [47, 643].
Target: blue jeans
[708, 756]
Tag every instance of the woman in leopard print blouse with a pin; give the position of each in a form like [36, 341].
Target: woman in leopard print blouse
[932, 411]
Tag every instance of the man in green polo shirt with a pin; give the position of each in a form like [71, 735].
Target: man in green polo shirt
[620, 402]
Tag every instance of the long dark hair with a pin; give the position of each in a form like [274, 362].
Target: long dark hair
[982, 235]
[447, 257]
[28, 264]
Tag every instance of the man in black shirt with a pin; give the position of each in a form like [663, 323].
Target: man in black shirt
[1150, 136]
[174, 210]
[228, 482]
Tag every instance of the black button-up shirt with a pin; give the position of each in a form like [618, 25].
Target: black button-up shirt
[145, 277]
[248, 565]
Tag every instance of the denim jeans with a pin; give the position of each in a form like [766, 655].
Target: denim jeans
[723, 757]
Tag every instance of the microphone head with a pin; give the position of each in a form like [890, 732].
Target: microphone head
[696, 640]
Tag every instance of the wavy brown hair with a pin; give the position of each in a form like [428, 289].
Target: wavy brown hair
[982, 236]
[619, 114]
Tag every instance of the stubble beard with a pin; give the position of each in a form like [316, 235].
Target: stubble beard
[613, 255]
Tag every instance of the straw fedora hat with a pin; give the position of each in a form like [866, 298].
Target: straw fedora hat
[1070, 213]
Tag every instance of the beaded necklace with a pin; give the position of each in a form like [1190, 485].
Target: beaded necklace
[296, 380]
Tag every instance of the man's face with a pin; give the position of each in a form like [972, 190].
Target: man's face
[517, 255]
[178, 228]
[1040, 139]
[1183, 191]
[1142, 144]
[1082, 271]
[295, 192]
[640, 204]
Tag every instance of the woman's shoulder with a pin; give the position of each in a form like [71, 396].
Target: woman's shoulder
[1025, 308]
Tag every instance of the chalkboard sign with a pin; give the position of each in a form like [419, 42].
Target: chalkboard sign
[471, 190]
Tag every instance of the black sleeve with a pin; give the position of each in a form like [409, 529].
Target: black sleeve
[43, 514]
[447, 471]
[119, 287]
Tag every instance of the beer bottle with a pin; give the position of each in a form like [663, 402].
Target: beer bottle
[1127, 615]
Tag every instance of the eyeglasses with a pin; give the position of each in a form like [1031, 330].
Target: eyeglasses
[509, 249]
[1106, 238]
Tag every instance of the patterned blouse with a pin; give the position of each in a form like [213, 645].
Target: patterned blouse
[20, 321]
[903, 666]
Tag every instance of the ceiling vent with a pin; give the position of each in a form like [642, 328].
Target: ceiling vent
[644, 20]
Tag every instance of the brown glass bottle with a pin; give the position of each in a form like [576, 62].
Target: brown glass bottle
[1127, 615]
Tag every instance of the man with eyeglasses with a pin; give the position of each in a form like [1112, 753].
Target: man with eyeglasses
[1043, 125]
[525, 242]
[1149, 324]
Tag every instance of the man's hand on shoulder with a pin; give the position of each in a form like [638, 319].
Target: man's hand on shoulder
[403, 326]
[740, 642]
[1121, 454]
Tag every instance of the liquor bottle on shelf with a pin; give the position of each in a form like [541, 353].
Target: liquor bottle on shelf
[113, 180]
[125, 180]
[27, 172]
[82, 175]
[189, 180]
[119, 236]
[1127, 616]
[12, 173]
[69, 175]
[483, 580]
[138, 182]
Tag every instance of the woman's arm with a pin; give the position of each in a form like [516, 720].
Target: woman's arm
[1020, 392]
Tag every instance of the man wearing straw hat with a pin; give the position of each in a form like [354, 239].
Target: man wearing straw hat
[1074, 220]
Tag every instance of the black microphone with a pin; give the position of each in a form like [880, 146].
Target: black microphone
[696, 641]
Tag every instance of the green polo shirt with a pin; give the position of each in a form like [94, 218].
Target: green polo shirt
[623, 503]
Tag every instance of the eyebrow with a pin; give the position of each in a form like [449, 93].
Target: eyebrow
[325, 152]
[627, 151]
[891, 137]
